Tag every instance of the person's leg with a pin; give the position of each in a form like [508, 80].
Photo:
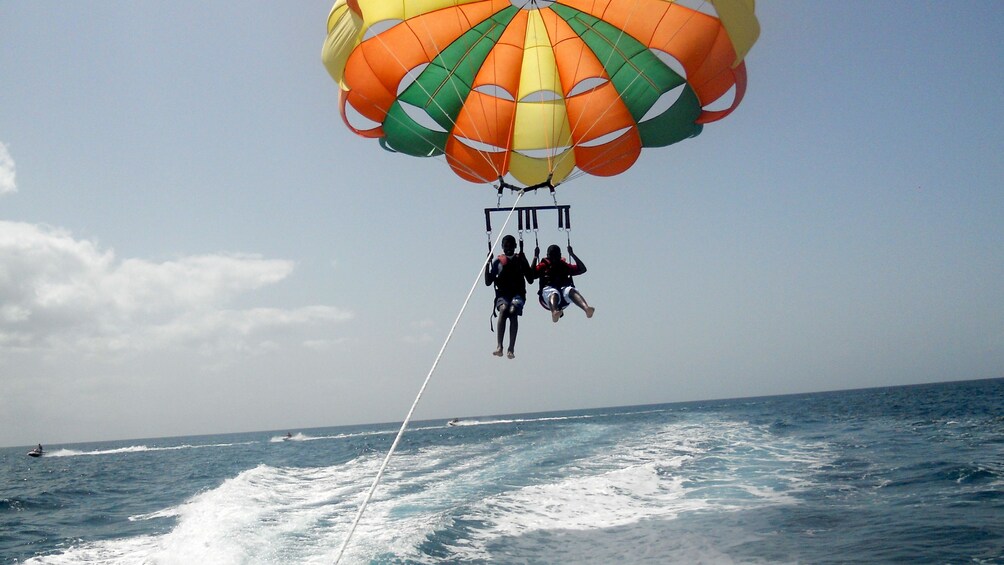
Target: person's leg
[580, 301]
[513, 329]
[555, 305]
[503, 313]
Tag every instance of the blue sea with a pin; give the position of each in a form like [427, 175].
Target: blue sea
[911, 474]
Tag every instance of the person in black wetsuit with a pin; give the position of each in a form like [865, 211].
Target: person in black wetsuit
[509, 273]
[557, 290]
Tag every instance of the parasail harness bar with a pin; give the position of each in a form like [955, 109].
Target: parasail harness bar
[527, 220]
[527, 216]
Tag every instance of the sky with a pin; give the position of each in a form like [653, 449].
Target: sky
[191, 242]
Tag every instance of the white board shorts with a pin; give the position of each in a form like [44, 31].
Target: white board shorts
[566, 298]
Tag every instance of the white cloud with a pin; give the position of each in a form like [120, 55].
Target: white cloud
[323, 344]
[420, 332]
[7, 171]
[65, 295]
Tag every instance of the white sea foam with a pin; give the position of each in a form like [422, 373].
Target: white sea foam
[127, 551]
[609, 499]
[625, 486]
[134, 449]
[271, 515]
[498, 421]
[299, 436]
[262, 515]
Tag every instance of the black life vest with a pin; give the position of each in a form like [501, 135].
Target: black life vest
[510, 281]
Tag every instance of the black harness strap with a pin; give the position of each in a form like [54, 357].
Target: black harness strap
[527, 220]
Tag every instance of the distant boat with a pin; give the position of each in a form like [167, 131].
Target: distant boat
[37, 452]
[288, 437]
[453, 422]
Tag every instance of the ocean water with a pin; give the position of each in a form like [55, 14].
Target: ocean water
[893, 475]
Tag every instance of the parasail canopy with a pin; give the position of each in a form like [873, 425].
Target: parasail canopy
[536, 89]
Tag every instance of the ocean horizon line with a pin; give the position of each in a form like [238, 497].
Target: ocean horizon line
[524, 415]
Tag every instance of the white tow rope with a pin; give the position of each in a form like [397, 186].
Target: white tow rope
[428, 377]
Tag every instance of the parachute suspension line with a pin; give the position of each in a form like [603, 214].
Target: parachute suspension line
[421, 391]
[608, 153]
[470, 67]
[605, 155]
[549, 142]
[552, 154]
[475, 72]
[424, 138]
[400, 63]
[564, 218]
[551, 136]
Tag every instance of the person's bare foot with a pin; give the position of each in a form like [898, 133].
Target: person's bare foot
[498, 352]
[555, 315]
[510, 354]
[589, 311]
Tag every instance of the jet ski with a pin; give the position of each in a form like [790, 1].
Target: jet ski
[37, 452]
[453, 422]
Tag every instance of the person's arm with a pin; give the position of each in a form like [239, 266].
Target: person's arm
[533, 274]
[490, 271]
[580, 267]
[526, 269]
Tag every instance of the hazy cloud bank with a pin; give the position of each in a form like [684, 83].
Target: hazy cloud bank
[61, 294]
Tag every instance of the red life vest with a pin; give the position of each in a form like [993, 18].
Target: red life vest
[558, 275]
